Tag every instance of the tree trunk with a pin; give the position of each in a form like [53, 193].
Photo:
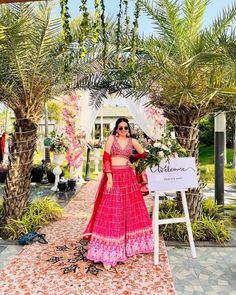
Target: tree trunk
[187, 134]
[17, 189]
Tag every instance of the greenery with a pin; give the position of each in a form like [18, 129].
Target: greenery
[206, 158]
[206, 128]
[156, 151]
[36, 215]
[55, 110]
[210, 227]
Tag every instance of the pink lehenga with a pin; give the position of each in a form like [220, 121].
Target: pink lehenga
[120, 225]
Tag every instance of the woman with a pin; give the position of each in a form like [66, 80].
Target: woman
[120, 226]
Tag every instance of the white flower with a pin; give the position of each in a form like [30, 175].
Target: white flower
[164, 147]
[161, 154]
[157, 144]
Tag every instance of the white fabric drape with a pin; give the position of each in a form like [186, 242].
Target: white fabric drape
[88, 113]
[138, 110]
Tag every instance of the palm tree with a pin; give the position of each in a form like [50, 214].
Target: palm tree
[192, 67]
[29, 68]
[185, 69]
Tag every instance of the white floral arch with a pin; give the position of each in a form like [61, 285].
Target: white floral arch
[150, 120]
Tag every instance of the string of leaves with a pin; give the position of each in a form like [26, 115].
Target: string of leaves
[118, 33]
[127, 21]
[104, 36]
[135, 32]
[84, 28]
[65, 19]
[96, 24]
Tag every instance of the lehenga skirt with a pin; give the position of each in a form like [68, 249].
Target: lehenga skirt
[122, 226]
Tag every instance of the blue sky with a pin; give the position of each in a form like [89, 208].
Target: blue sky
[145, 25]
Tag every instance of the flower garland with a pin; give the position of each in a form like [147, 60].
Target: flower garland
[127, 21]
[84, 28]
[73, 131]
[96, 24]
[135, 32]
[118, 33]
[65, 18]
[104, 34]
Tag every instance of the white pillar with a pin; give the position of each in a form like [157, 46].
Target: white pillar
[101, 121]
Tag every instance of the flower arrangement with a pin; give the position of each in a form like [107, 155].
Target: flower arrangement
[59, 144]
[157, 150]
[71, 114]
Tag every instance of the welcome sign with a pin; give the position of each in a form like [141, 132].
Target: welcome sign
[173, 174]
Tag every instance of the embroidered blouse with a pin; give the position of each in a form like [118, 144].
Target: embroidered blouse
[118, 151]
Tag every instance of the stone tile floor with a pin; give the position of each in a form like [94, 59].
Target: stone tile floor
[213, 272]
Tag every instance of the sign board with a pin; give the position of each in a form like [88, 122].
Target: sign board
[173, 174]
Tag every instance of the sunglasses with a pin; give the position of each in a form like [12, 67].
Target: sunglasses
[124, 128]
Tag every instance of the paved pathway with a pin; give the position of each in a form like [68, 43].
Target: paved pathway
[30, 272]
[213, 272]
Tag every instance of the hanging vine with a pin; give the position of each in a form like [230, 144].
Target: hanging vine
[65, 19]
[127, 21]
[96, 24]
[135, 32]
[118, 33]
[84, 28]
[104, 36]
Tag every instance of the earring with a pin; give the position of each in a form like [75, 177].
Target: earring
[117, 134]
[128, 135]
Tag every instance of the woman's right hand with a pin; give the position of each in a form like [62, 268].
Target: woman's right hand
[109, 183]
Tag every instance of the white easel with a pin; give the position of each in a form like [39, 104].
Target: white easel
[156, 222]
[173, 175]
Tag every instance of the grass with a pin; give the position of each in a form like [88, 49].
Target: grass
[206, 158]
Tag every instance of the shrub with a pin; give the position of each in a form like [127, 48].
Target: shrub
[37, 214]
[211, 227]
[211, 209]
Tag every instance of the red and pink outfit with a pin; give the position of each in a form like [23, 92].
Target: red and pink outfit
[120, 225]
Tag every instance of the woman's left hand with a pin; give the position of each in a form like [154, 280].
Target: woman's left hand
[130, 164]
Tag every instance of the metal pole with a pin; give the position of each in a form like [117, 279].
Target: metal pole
[219, 141]
[47, 153]
[87, 177]
[234, 159]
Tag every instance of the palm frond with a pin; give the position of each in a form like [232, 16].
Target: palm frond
[193, 11]
[225, 19]
[29, 66]
[165, 15]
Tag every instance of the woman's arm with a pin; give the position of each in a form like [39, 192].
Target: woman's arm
[139, 149]
[107, 161]
[137, 146]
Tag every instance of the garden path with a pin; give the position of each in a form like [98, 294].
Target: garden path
[29, 272]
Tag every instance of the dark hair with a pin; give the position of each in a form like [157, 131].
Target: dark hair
[117, 124]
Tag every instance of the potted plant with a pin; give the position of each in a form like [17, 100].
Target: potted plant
[59, 147]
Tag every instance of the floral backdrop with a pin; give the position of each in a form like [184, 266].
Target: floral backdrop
[76, 136]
